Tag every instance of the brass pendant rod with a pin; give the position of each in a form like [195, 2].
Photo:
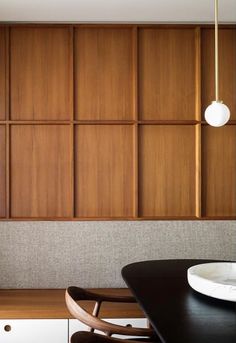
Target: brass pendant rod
[216, 53]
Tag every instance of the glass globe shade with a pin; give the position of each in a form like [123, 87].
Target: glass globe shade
[217, 114]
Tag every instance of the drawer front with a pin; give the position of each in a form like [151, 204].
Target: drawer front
[34, 331]
[75, 325]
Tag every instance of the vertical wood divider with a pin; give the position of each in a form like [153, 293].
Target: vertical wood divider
[198, 73]
[198, 118]
[72, 131]
[198, 170]
[7, 126]
[135, 116]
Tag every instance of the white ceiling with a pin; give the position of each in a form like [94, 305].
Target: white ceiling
[116, 10]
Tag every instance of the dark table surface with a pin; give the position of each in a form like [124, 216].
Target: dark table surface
[177, 313]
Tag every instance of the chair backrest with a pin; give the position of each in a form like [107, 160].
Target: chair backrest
[75, 294]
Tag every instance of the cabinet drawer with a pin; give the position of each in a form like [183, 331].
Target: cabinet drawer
[34, 331]
[75, 325]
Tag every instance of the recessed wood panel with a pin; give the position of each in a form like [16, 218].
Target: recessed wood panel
[3, 80]
[41, 73]
[219, 171]
[2, 171]
[104, 74]
[167, 74]
[227, 68]
[104, 171]
[167, 170]
[41, 171]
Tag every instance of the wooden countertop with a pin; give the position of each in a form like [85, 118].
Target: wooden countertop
[50, 304]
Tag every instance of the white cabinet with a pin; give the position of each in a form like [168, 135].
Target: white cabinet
[34, 331]
[52, 330]
[75, 325]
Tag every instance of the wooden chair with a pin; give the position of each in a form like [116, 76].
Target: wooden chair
[89, 337]
[75, 294]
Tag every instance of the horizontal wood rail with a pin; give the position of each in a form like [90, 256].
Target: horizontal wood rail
[50, 304]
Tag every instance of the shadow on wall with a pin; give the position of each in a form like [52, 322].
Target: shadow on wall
[91, 254]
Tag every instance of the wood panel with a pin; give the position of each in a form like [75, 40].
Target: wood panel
[227, 68]
[2, 171]
[104, 171]
[3, 80]
[109, 77]
[41, 73]
[218, 171]
[104, 74]
[167, 73]
[50, 303]
[167, 170]
[41, 171]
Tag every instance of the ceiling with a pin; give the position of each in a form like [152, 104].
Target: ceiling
[115, 10]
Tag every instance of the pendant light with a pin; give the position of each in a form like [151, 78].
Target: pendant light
[217, 114]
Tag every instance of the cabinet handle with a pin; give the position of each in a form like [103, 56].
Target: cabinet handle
[129, 326]
[7, 328]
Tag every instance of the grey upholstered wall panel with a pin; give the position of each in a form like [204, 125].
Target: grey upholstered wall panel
[91, 254]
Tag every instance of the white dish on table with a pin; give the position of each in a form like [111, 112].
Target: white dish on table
[215, 279]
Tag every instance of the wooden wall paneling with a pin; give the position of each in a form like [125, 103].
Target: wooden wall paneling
[198, 145]
[167, 171]
[72, 127]
[104, 169]
[218, 171]
[72, 131]
[167, 74]
[227, 68]
[7, 169]
[135, 72]
[104, 73]
[198, 74]
[136, 170]
[72, 79]
[198, 127]
[2, 171]
[41, 73]
[3, 73]
[135, 126]
[115, 74]
[41, 171]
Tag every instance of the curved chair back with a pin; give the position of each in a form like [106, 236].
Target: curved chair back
[75, 294]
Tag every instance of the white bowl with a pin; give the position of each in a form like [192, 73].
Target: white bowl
[216, 279]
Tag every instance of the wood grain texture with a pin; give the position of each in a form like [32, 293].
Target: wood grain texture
[218, 171]
[104, 171]
[50, 304]
[104, 73]
[167, 73]
[41, 171]
[3, 80]
[121, 77]
[227, 68]
[167, 170]
[40, 73]
[198, 131]
[2, 171]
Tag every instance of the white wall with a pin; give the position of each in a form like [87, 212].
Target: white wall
[116, 10]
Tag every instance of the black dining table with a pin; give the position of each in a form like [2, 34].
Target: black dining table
[177, 313]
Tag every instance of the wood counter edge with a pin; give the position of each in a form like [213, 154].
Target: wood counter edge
[50, 304]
